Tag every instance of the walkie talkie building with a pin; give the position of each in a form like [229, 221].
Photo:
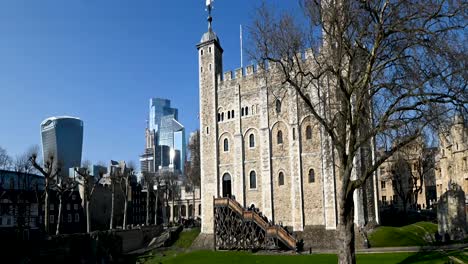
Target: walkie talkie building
[62, 138]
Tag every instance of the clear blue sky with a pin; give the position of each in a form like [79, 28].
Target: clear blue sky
[101, 61]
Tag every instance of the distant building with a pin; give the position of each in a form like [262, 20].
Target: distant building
[165, 138]
[452, 166]
[62, 138]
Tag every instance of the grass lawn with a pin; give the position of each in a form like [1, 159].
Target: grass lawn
[410, 235]
[199, 257]
[186, 238]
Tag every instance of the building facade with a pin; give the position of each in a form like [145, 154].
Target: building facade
[165, 138]
[260, 146]
[409, 174]
[62, 139]
[452, 167]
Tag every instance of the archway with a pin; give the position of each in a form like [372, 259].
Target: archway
[227, 185]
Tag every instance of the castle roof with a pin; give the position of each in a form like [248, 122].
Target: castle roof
[208, 36]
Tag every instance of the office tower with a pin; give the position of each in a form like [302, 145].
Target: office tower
[62, 138]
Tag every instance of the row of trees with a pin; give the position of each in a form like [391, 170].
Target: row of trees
[167, 183]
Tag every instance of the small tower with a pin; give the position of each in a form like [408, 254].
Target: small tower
[210, 67]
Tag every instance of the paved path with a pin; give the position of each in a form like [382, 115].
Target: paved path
[397, 249]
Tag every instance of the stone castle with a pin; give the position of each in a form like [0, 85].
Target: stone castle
[260, 146]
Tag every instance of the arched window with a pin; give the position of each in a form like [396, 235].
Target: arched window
[229, 114]
[246, 110]
[219, 117]
[252, 140]
[281, 178]
[253, 180]
[242, 113]
[201, 51]
[311, 175]
[226, 144]
[279, 137]
[222, 116]
[232, 113]
[278, 106]
[308, 132]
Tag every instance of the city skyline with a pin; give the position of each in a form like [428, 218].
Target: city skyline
[101, 62]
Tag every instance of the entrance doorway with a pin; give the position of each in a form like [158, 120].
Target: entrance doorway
[227, 185]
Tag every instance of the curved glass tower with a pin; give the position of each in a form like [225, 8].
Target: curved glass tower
[62, 138]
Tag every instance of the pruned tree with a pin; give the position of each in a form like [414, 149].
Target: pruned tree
[127, 172]
[171, 181]
[115, 176]
[149, 178]
[50, 170]
[88, 182]
[63, 186]
[374, 72]
[192, 169]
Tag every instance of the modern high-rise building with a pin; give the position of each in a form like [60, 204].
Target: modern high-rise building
[165, 138]
[62, 138]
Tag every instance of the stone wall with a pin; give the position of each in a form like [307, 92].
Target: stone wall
[451, 215]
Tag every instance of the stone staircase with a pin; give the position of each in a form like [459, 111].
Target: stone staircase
[238, 228]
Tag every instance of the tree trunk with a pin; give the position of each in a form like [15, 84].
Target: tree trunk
[59, 217]
[346, 243]
[156, 200]
[46, 211]
[147, 205]
[112, 206]
[88, 217]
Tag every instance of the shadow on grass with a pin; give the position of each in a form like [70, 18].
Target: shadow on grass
[429, 257]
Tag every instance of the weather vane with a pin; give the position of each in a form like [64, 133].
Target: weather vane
[209, 7]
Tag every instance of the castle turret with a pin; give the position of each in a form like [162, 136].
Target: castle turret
[210, 67]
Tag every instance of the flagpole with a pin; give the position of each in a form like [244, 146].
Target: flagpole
[241, 48]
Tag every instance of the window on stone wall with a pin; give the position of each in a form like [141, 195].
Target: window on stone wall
[308, 132]
[229, 114]
[232, 113]
[201, 52]
[219, 117]
[294, 133]
[383, 184]
[69, 218]
[246, 110]
[253, 180]
[281, 178]
[278, 106]
[242, 111]
[209, 49]
[199, 209]
[222, 116]
[384, 200]
[279, 137]
[51, 219]
[311, 175]
[77, 217]
[252, 140]
[226, 144]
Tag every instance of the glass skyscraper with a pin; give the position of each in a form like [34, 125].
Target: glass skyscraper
[165, 138]
[62, 138]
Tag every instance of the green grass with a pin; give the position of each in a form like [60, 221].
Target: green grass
[199, 257]
[186, 238]
[410, 235]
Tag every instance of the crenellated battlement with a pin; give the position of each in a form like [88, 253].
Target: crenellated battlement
[253, 70]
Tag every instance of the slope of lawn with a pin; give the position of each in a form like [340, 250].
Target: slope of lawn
[186, 238]
[417, 234]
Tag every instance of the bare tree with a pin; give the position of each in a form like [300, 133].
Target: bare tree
[50, 170]
[192, 170]
[115, 176]
[149, 183]
[127, 175]
[89, 183]
[5, 164]
[63, 186]
[374, 72]
[171, 181]
[22, 168]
